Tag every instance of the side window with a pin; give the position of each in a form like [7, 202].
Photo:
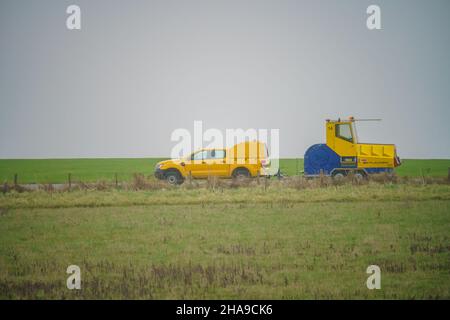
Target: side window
[200, 155]
[343, 131]
[217, 154]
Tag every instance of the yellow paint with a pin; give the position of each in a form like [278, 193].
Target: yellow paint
[376, 155]
[200, 164]
[340, 146]
[368, 155]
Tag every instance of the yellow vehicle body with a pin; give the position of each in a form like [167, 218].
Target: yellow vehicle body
[341, 137]
[343, 153]
[243, 159]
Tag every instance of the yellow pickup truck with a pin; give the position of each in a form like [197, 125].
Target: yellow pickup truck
[246, 159]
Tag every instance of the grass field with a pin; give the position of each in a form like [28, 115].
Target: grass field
[90, 170]
[288, 239]
[278, 242]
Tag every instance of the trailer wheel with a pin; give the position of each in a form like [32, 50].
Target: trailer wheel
[338, 175]
[359, 176]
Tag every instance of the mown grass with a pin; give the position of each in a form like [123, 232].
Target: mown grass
[87, 170]
[417, 167]
[248, 250]
[91, 170]
[409, 167]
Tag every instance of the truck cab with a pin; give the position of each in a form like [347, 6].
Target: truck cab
[343, 153]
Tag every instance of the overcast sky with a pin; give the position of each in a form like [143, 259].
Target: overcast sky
[137, 70]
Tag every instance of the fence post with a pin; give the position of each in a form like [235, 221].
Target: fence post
[15, 180]
[448, 177]
[70, 180]
[117, 182]
[296, 166]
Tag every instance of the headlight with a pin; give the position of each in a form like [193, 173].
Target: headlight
[158, 166]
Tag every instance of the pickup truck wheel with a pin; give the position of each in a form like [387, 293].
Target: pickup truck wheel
[241, 173]
[174, 177]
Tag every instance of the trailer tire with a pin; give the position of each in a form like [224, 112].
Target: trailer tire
[338, 175]
[359, 176]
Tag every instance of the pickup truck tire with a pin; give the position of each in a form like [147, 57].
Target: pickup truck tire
[173, 177]
[240, 173]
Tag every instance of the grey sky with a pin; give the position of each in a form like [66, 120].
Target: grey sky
[140, 69]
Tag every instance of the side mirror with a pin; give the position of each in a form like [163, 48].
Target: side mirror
[182, 164]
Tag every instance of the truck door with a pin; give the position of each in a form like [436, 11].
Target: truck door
[217, 165]
[197, 166]
[345, 144]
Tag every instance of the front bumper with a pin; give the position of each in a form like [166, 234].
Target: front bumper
[159, 174]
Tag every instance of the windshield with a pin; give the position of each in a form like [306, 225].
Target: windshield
[200, 155]
[343, 131]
